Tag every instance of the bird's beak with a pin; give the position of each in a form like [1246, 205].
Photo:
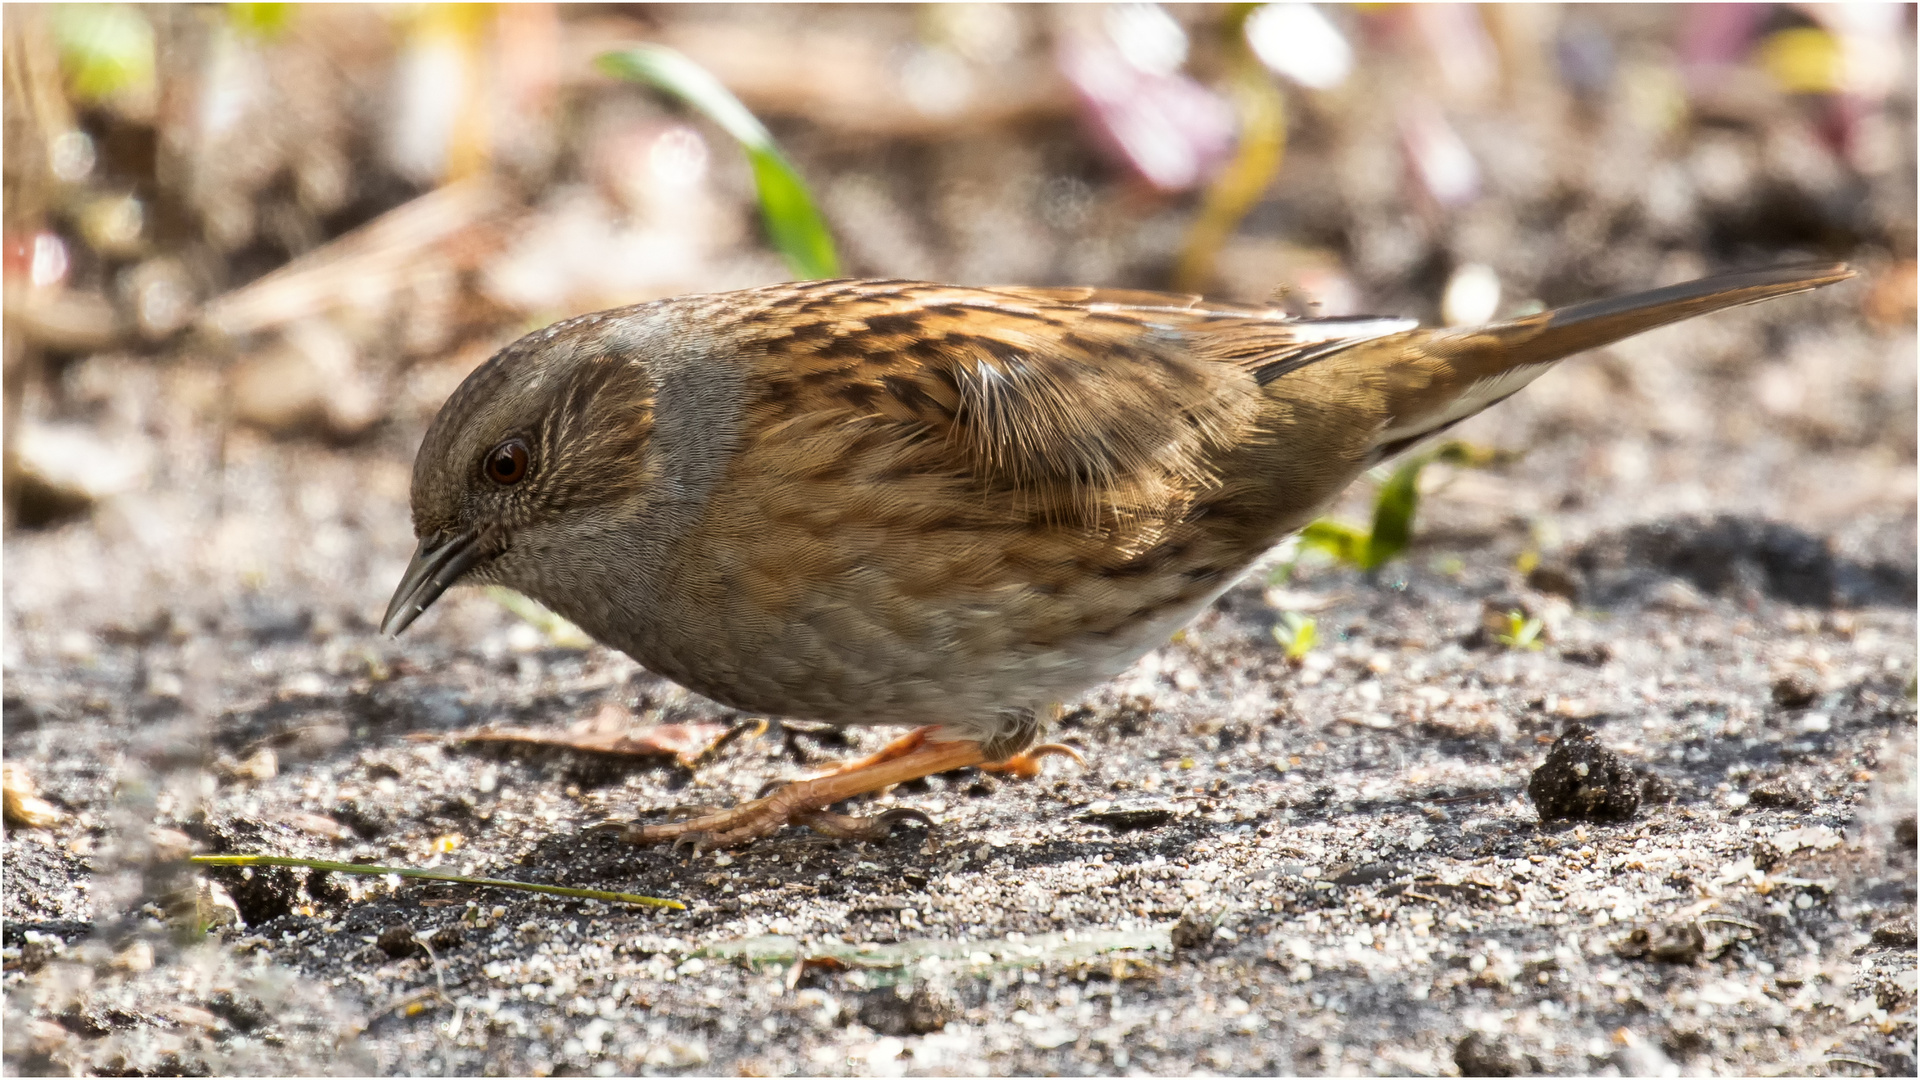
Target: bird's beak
[440, 561]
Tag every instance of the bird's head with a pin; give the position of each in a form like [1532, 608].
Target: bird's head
[548, 439]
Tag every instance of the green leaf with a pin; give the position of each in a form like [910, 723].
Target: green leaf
[104, 48]
[1393, 511]
[1399, 498]
[795, 225]
[1470, 456]
[1344, 542]
[1522, 632]
[261, 22]
[1296, 632]
[793, 222]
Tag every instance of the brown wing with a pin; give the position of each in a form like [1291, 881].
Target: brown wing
[1074, 397]
[1071, 407]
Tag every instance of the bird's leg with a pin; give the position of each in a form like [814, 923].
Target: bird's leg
[804, 802]
[1023, 766]
[898, 748]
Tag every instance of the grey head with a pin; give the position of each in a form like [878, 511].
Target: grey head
[549, 437]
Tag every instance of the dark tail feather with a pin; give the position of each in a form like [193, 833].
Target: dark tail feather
[1537, 339]
[1456, 373]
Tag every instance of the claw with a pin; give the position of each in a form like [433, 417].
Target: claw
[1057, 749]
[1027, 766]
[634, 832]
[692, 841]
[847, 827]
[903, 813]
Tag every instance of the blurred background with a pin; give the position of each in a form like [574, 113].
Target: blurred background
[250, 248]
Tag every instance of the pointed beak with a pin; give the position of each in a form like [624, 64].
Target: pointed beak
[440, 561]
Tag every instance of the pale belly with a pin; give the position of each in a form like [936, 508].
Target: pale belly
[860, 659]
[870, 628]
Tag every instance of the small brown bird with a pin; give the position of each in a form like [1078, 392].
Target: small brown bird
[892, 502]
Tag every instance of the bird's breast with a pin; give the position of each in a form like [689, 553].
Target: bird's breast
[783, 604]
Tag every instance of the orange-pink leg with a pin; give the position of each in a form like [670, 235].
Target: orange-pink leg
[898, 748]
[1024, 766]
[804, 802]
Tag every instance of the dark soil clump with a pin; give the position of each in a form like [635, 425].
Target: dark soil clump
[1582, 780]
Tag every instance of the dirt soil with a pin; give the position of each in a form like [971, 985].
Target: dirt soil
[1703, 555]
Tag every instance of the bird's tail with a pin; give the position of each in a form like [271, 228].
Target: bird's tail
[1444, 376]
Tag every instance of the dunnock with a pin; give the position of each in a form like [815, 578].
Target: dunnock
[891, 502]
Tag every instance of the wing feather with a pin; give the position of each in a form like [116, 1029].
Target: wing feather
[1082, 402]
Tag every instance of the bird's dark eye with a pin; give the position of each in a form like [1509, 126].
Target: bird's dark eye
[506, 464]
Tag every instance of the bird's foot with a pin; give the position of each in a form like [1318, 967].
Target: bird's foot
[805, 802]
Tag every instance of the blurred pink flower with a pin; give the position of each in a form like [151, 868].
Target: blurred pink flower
[1172, 130]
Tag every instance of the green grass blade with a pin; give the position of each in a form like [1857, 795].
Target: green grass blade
[1399, 498]
[1393, 511]
[793, 222]
[435, 875]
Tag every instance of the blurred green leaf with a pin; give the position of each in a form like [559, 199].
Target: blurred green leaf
[793, 222]
[104, 48]
[1256, 159]
[1296, 632]
[1399, 498]
[262, 22]
[1393, 510]
[1522, 632]
[1344, 542]
[557, 630]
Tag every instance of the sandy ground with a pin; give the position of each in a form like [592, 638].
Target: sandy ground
[1328, 867]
